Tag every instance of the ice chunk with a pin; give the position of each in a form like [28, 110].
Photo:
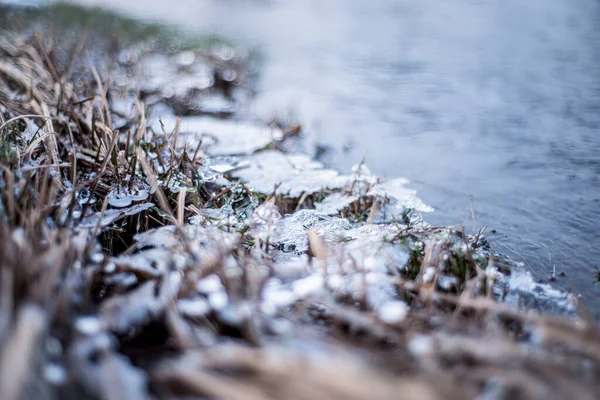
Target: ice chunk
[393, 311]
[222, 137]
[406, 198]
[307, 286]
[54, 374]
[119, 200]
[210, 284]
[218, 300]
[334, 203]
[420, 345]
[523, 289]
[110, 216]
[290, 233]
[88, 325]
[193, 307]
[296, 174]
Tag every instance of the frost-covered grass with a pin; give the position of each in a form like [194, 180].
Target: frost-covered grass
[150, 256]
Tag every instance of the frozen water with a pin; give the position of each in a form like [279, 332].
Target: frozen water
[132, 309]
[221, 137]
[159, 237]
[393, 311]
[193, 307]
[406, 198]
[210, 284]
[296, 174]
[112, 215]
[290, 233]
[307, 286]
[262, 220]
[55, 374]
[218, 300]
[119, 199]
[276, 296]
[420, 345]
[447, 282]
[334, 203]
[88, 325]
[524, 290]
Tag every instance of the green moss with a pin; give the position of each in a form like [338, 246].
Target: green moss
[66, 18]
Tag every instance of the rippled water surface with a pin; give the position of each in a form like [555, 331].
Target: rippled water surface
[498, 100]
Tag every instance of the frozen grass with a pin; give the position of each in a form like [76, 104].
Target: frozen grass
[131, 270]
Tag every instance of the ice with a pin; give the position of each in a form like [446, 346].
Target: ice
[222, 217]
[140, 195]
[82, 196]
[294, 173]
[263, 219]
[276, 296]
[121, 279]
[132, 309]
[119, 199]
[392, 312]
[429, 274]
[334, 203]
[524, 290]
[447, 282]
[112, 215]
[160, 237]
[420, 345]
[217, 104]
[222, 137]
[224, 165]
[335, 282]
[55, 374]
[210, 284]
[147, 263]
[309, 285]
[186, 58]
[193, 307]
[406, 198]
[264, 214]
[290, 233]
[88, 325]
[218, 300]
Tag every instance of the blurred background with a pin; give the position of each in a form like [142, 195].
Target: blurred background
[495, 100]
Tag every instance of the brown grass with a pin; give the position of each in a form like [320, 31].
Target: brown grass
[64, 299]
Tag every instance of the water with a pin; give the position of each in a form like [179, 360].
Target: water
[497, 100]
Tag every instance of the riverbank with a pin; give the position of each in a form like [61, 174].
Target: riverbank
[151, 256]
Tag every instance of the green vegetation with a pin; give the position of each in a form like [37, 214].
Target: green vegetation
[66, 20]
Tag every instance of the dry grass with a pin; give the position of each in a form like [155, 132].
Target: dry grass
[65, 300]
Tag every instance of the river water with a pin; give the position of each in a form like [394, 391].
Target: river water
[498, 100]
